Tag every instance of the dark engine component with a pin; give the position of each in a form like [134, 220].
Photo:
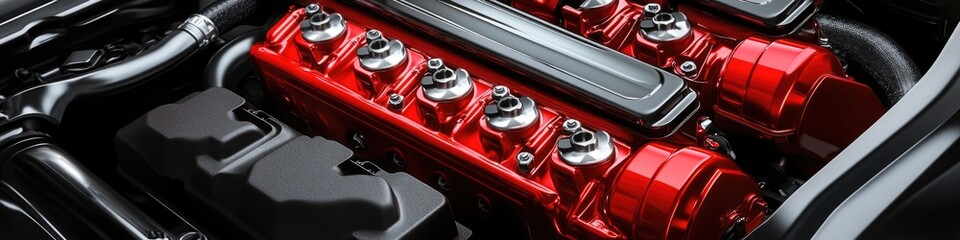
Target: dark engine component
[274, 181]
[771, 16]
[32, 31]
[880, 56]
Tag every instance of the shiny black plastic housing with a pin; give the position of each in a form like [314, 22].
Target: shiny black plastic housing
[274, 181]
[773, 17]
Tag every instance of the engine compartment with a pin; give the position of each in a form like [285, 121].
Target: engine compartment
[597, 119]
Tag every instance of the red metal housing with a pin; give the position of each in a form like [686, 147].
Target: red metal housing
[648, 189]
[789, 90]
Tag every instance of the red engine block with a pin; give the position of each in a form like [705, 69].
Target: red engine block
[666, 188]
[790, 91]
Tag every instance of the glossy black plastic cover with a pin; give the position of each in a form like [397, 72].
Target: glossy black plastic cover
[625, 88]
[272, 180]
[773, 15]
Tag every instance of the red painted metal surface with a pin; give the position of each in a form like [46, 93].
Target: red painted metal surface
[656, 189]
[786, 90]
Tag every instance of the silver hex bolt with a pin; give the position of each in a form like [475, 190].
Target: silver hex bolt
[373, 35]
[395, 101]
[499, 91]
[689, 68]
[571, 126]
[435, 64]
[586, 148]
[311, 9]
[665, 26]
[651, 9]
[525, 162]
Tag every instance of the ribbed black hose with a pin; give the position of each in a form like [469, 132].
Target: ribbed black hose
[227, 14]
[876, 53]
[232, 62]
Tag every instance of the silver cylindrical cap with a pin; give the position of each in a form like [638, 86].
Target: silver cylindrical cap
[381, 54]
[322, 27]
[585, 148]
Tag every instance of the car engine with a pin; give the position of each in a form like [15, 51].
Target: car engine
[439, 119]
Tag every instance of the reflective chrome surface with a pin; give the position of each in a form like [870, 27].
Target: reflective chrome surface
[446, 85]
[586, 148]
[512, 113]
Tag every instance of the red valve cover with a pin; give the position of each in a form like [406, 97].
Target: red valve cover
[789, 90]
[666, 188]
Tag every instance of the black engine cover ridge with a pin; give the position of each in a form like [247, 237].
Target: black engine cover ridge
[276, 182]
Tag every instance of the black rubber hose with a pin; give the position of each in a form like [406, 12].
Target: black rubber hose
[226, 14]
[874, 52]
[232, 62]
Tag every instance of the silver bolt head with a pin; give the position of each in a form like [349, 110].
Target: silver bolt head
[323, 27]
[571, 126]
[665, 21]
[395, 101]
[651, 9]
[499, 92]
[373, 35]
[435, 64]
[311, 9]
[525, 162]
[583, 141]
[688, 67]
[382, 54]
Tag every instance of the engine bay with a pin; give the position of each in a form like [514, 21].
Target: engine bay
[447, 119]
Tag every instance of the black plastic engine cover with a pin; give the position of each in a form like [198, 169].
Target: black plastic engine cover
[273, 180]
[774, 17]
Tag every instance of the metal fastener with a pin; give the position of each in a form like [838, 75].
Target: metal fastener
[499, 91]
[585, 148]
[396, 158]
[373, 35]
[447, 85]
[358, 142]
[395, 101]
[824, 42]
[525, 162]
[571, 126]
[483, 204]
[689, 68]
[443, 183]
[322, 27]
[665, 27]
[435, 64]
[380, 53]
[511, 113]
[312, 9]
[651, 9]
